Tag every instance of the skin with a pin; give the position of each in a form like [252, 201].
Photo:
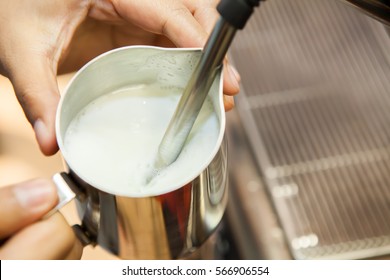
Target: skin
[41, 39]
[25, 232]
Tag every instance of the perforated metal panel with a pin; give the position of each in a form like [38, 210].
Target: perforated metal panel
[316, 108]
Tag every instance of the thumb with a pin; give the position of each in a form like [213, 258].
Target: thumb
[24, 203]
[36, 88]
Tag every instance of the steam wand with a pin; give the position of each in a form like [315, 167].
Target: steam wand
[234, 15]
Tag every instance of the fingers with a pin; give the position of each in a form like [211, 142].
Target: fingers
[228, 102]
[206, 14]
[201, 21]
[231, 81]
[171, 18]
[37, 91]
[183, 30]
[27, 235]
[187, 23]
[47, 239]
[23, 204]
[76, 250]
[35, 36]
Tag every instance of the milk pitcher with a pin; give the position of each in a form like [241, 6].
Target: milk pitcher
[167, 225]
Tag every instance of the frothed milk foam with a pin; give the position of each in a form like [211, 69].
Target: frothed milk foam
[114, 140]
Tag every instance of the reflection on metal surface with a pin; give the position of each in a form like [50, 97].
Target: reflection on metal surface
[64, 192]
[285, 190]
[378, 9]
[168, 226]
[305, 241]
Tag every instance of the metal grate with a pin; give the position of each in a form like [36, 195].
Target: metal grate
[316, 106]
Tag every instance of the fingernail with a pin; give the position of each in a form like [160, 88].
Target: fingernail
[45, 139]
[234, 76]
[40, 130]
[228, 102]
[35, 195]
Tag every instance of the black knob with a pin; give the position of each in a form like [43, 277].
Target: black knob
[237, 12]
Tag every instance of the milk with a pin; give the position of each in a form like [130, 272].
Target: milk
[113, 141]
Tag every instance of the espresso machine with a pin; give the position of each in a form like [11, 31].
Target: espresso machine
[309, 139]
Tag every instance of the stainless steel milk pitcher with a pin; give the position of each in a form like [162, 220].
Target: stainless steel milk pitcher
[167, 225]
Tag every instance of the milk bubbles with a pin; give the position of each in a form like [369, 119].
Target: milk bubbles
[112, 143]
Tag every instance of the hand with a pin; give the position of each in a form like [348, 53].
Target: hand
[23, 232]
[39, 39]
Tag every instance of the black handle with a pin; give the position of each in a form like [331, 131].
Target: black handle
[237, 12]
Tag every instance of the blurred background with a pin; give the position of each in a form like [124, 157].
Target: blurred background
[309, 139]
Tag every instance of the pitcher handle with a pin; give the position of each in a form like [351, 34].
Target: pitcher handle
[66, 191]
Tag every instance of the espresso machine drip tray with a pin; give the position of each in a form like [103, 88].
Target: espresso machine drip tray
[315, 108]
